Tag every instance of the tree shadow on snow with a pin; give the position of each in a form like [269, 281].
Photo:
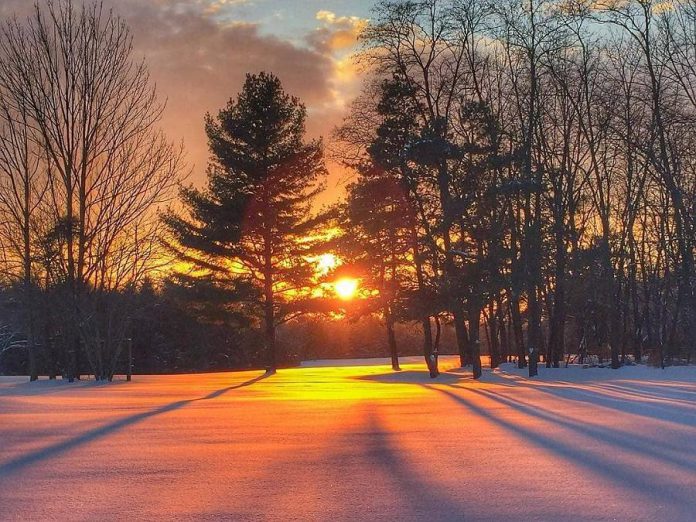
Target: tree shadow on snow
[24, 388]
[426, 499]
[599, 395]
[679, 397]
[59, 448]
[634, 443]
[596, 462]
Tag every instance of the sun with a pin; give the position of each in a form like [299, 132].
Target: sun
[346, 288]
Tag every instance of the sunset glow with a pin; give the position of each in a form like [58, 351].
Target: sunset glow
[326, 263]
[346, 288]
[327, 260]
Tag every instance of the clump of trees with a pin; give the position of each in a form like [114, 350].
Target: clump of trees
[83, 168]
[546, 147]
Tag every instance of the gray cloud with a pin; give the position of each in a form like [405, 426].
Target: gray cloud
[199, 64]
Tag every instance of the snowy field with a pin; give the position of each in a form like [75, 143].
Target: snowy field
[353, 442]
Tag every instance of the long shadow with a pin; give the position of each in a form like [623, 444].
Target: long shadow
[633, 394]
[668, 393]
[425, 498]
[573, 392]
[672, 385]
[54, 450]
[52, 387]
[599, 394]
[223, 391]
[638, 481]
[635, 443]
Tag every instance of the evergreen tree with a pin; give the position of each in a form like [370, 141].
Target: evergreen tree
[377, 243]
[389, 153]
[251, 223]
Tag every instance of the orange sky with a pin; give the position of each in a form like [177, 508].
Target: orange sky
[199, 58]
[198, 52]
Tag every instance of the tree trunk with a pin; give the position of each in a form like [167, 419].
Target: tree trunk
[269, 313]
[474, 337]
[633, 298]
[270, 338]
[516, 319]
[391, 339]
[534, 330]
[534, 246]
[429, 356]
[455, 305]
[33, 368]
[556, 347]
[502, 326]
[493, 327]
[462, 336]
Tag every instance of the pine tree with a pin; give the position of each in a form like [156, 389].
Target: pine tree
[388, 155]
[377, 243]
[252, 222]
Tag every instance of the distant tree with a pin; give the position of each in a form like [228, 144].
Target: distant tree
[22, 188]
[252, 222]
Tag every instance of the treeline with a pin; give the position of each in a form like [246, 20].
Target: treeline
[83, 168]
[531, 164]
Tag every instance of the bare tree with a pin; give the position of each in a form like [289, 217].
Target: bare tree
[93, 111]
[22, 187]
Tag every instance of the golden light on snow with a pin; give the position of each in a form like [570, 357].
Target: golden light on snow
[346, 288]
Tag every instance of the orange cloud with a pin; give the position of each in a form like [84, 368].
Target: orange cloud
[338, 33]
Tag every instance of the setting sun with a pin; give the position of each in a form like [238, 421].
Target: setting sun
[346, 288]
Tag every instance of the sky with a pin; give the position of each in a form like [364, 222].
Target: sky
[198, 52]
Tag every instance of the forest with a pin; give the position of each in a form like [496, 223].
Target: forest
[522, 188]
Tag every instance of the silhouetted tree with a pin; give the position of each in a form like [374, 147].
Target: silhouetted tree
[390, 154]
[377, 245]
[80, 117]
[252, 222]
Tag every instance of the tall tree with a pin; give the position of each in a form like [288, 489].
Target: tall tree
[389, 152]
[91, 113]
[419, 42]
[22, 188]
[378, 244]
[252, 222]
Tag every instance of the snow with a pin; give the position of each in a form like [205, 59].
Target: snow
[352, 440]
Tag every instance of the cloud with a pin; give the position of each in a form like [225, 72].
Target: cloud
[337, 38]
[199, 63]
[338, 33]
[198, 59]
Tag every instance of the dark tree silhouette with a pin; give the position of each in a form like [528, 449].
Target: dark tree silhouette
[390, 150]
[251, 224]
[377, 244]
[83, 168]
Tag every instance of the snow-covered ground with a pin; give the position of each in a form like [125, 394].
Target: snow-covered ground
[353, 441]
